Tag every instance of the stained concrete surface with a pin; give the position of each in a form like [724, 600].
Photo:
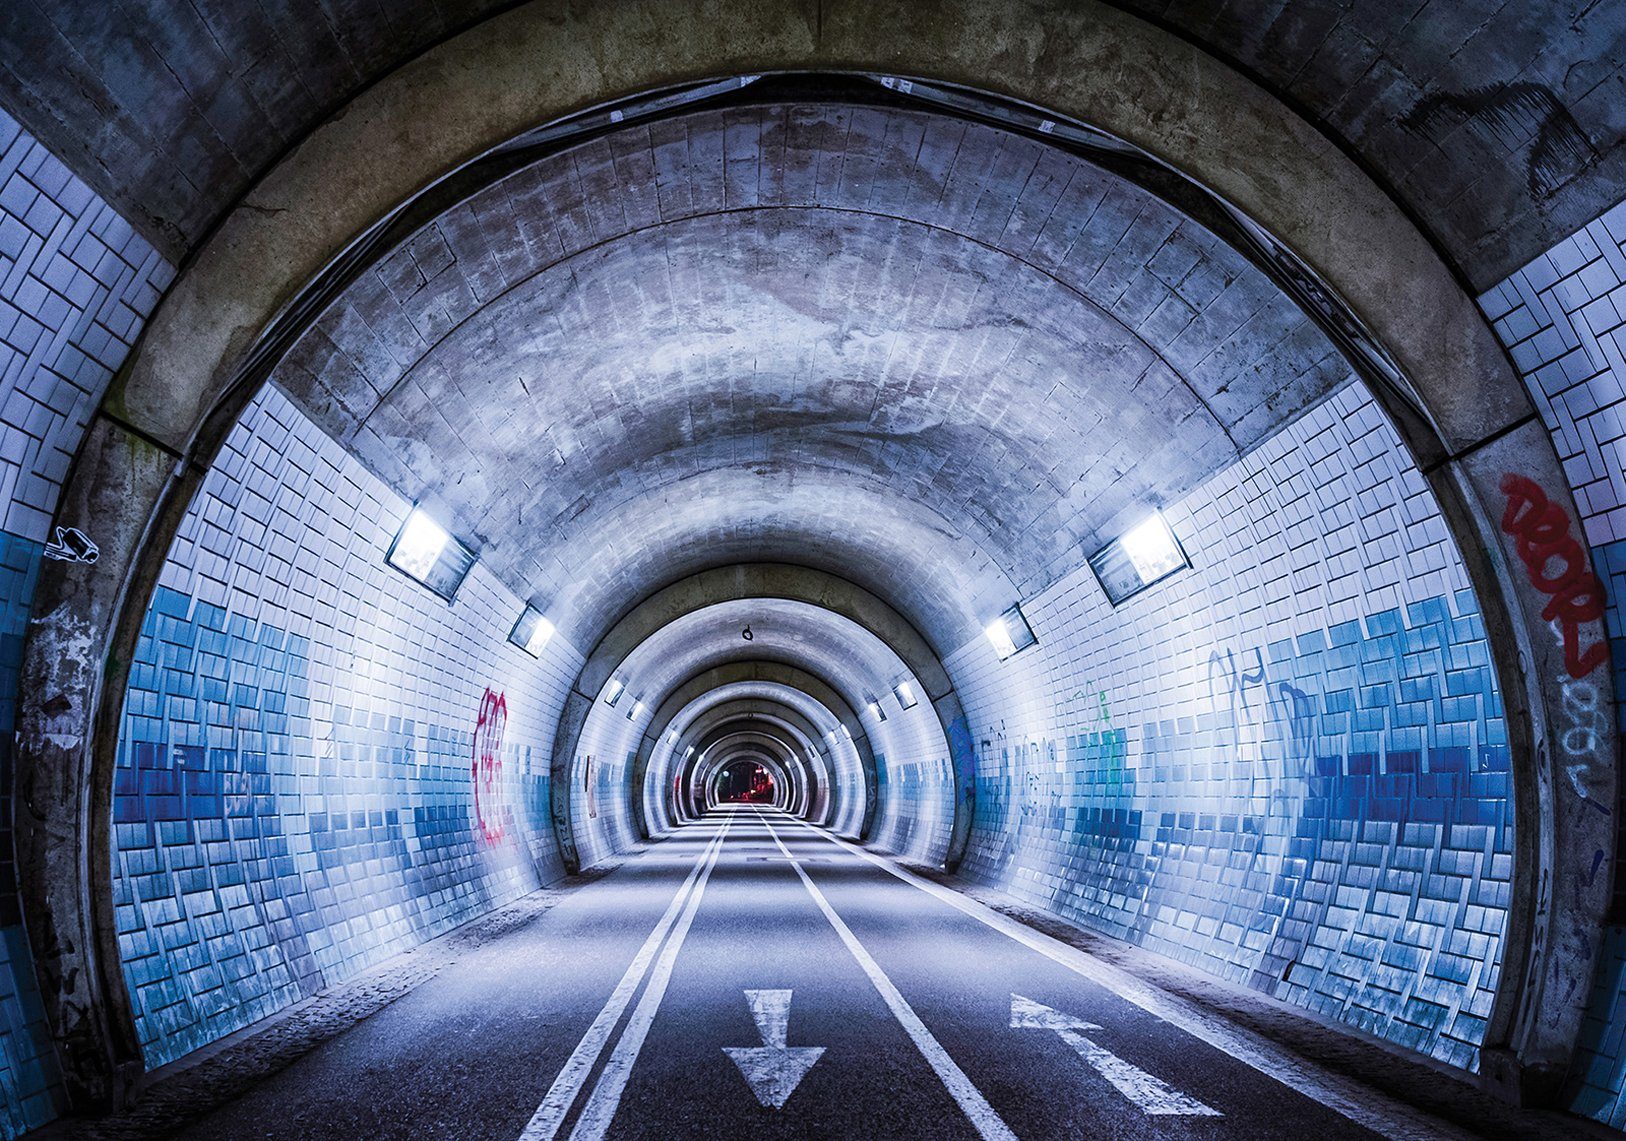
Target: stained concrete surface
[473, 1052]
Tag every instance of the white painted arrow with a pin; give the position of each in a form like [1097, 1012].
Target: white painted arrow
[773, 1069]
[1153, 1095]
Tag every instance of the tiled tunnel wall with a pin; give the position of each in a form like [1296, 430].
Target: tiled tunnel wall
[1285, 764]
[915, 813]
[600, 805]
[1563, 319]
[76, 285]
[296, 794]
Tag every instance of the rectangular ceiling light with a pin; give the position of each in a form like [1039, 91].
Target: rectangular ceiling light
[636, 711]
[1145, 554]
[531, 632]
[425, 551]
[875, 708]
[905, 692]
[612, 691]
[1010, 632]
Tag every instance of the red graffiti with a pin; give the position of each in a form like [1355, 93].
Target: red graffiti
[1575, 596]
[488, 731]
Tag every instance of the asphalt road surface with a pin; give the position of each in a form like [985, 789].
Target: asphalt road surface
[756, 977]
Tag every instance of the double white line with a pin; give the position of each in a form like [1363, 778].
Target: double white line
[595, 1118]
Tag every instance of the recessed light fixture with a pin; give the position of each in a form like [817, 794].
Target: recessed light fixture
[636, 711]
[425, 551]
[532, 632]
[612, 691]
[1147, 553]
[1010, 632]
[875, 708]
[905, 693]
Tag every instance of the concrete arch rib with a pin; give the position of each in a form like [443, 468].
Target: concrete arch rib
[790, 710]
[765, 581]
[472, 95]
[786, 724]
[777, 673]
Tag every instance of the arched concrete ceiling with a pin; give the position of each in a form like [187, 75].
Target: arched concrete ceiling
[854, 661]
[695, 717]
[1499, 126]
[858, 302]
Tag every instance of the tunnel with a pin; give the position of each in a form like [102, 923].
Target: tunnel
[734, 568]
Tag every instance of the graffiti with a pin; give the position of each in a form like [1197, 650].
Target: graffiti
[488, 733]
[1541, 529]
[72, 545]
[1103, 712]
[1274, 728]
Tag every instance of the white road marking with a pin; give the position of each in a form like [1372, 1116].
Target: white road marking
[544, 1125]
[773, 1070]
[982, 1116]
[612, 1081]
[1152, 1094]
[1357, 1102]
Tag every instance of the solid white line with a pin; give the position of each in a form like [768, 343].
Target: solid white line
[612, 1081]
[567, 1086]
[982, 1116]
[1359, 1103]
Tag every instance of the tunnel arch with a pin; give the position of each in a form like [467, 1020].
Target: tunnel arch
[141, 458]
[765, 582]
[694, 690]
[800, 713]
[730, 717]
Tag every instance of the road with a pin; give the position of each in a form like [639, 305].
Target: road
[756, 977]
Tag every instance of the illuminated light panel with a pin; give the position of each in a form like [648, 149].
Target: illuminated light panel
[532, 632]
[905, 693]
[1000, 635]
[636, 711]
[1010, 632]
[875, 708]
[612, 691]
[1145, 554]
[426, 552]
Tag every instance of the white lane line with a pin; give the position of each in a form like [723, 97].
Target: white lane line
[1359, 1103]
[544, 1125]
[612, 1081]
[982, 1116]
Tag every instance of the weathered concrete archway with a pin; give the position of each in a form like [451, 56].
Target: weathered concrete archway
[1470, 422]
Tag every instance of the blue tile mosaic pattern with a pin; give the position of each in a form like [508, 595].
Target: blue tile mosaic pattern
[1285, 765]
[295, 791]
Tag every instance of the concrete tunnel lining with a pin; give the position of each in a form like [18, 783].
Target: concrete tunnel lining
[773, 735]
[1413, 330]
[801, 715]
[770, 585]
[817, 689]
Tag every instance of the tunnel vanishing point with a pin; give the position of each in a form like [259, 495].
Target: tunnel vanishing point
[812, 568]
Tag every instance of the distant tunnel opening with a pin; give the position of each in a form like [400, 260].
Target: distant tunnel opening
[745, 782]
